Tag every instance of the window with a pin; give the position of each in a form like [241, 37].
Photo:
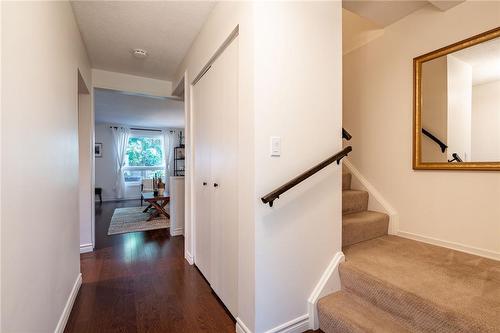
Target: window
[145, 151]
[145, 158]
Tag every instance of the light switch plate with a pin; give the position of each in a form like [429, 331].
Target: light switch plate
[275, 146]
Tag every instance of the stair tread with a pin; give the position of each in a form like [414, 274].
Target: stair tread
[349, 191]
[361, 217]
[459, 285]
[363, 226]
[346, 312]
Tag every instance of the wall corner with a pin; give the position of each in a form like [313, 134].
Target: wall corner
[327, 284]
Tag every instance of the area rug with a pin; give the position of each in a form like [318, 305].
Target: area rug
[131, 219]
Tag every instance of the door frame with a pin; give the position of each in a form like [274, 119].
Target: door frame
[83, 90]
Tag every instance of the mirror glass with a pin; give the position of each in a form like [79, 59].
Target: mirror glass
[460, 105]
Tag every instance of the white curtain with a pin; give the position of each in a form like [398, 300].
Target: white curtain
[169, 141]
[120, 141]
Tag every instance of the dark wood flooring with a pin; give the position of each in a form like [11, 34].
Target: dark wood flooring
[140, 282]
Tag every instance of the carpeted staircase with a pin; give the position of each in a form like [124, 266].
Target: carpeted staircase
[393, 284]
[358, 223]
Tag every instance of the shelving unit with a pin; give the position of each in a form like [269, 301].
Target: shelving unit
[179, 160]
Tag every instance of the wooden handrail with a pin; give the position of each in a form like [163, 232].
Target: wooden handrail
[346, 135]
[436, 140]
[270, 197]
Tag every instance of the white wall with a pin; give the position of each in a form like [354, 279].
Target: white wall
[131, 83]
[289, 78]
[176, 205]
[454, 208]
[357, 31]
[486, 122]
[298, 59]
[459, 108]
[41, 54]
[1, 134]
[105, 165]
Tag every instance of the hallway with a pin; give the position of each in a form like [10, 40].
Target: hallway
[140, 282]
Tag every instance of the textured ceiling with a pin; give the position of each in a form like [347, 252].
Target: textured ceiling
[166, 29]
[113, 107]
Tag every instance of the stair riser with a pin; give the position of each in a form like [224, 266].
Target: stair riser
[354, 201]
[420, 314]
[337, 324]
[348, 313]
[359, 232]
[346, 181]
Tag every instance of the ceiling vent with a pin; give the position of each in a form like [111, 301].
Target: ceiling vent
[140, 53]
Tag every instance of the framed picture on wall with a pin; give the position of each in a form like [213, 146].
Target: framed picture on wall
[98, 150]
[179, 153]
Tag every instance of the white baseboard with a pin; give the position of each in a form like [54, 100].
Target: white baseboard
[69, 305]
[297, 325]
[327, 284]
[376, 202]
[188, 257]
[177, 232]
[241, 327]
[452, 245]
[84, 248]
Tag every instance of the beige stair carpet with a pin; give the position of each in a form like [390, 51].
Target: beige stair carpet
[354, 201]
[358, 227]
[358, 223]
[421, 287]
[346, 312]
[346, 180]
[392, 284]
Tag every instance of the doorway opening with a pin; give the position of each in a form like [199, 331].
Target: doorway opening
[139, 165]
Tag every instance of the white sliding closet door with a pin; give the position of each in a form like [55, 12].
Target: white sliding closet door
[215, 102]
[224, 168]
[203, 92]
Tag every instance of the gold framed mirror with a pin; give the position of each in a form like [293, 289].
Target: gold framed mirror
[456, 106]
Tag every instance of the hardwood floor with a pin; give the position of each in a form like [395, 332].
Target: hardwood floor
[140, 282]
